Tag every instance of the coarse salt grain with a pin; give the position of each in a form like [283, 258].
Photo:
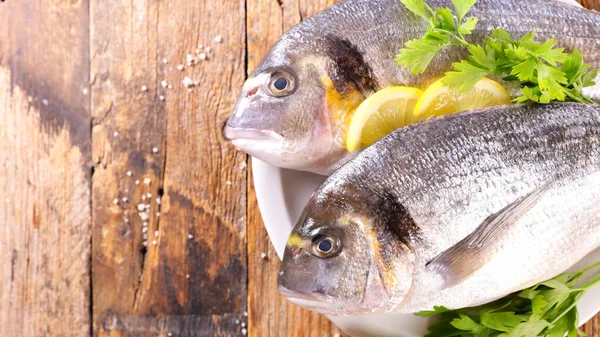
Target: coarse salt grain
[244, 332]
[116, 134]
[144, 229]
[157, 213]
[161, 97]
[165, 61]
[187, 82]
[145, 223]
[143, 197]
[129, 173]
[218, 39]
[147, 181]
[170, 86]
[137, 182]
[154, 149]
[144, 88]
[141, 207]
[228, 182]
[116, 201]
[126, 220]
[187, 276]
[158, 201]
[156, 233]
[145, 244]
[125, 199]
[263, 256]
[191, 59]
[245, 313]
[243, 165]
[207, 49]
[154, 242]
[45, 102]
[85, 91]
[164, 83]
[149, 195]
[202, 56]
[180, 67]
[190, 236]
[144, 216]
[243, 324]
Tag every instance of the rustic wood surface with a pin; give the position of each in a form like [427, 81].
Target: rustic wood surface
[125, 213]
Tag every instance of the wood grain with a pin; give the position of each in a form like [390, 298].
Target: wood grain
[44, 169]
[190, 280]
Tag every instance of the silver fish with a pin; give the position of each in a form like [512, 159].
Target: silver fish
[454, 211]
[294, 109]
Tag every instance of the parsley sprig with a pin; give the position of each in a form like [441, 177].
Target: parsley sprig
[546, 309]
[546, 73]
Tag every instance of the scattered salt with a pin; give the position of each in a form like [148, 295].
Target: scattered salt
[144, 229]
[126, 220]
[137, 182]
[187, 82]
[85, 91]
[143, 197]
[180, 67]
[245, 313]
[161, 97]
[164, 83]
[191, 59]
[207, 49]
[125, 199]
[144, 88]
[45, 102]
[116, 134]
[116, 201]
[218, 39]
[141, 207]
[158, 201]
[154, 149]
[244, 332]
[187, 276]
[149, 195]
[243, 165]
[202, 56]
[243, 324]
[145, 243]
[29, 99]
[263, 256]
[165, 61]
[154, 242]
[157, 213]
[147, 181]
[190, 236]
[156, 233]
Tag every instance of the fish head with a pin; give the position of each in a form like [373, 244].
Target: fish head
[342, 260]
[289, 114]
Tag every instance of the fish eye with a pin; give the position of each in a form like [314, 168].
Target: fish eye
[281, 84]
[325, 246]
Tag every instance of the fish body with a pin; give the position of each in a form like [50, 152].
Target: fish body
[294, 109]
[455, 211]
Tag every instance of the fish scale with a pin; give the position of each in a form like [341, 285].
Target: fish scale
[446, 178]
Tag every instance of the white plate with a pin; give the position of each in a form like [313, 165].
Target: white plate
[282, 194]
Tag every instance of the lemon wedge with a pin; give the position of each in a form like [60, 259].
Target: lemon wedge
[439, 100]
[380, 114]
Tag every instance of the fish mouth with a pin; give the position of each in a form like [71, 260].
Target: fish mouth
[314, 301]
[233, 134]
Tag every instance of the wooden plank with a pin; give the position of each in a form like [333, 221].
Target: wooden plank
[269, 313]
[44, 169]
[191, 278]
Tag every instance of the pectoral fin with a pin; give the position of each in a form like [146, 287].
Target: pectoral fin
[459, 261]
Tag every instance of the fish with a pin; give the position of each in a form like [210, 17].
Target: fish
[294, 109]
[457, 211]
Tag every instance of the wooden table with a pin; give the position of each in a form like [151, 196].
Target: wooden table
[124, 211]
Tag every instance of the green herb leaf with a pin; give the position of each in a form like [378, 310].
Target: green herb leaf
[465, 323]
[465, 76]
[462, 8]
[467, 27]
[419, 7]
[417, 55]
[546, 309]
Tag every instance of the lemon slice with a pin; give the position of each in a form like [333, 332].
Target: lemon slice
[439, 100]
[380, 114]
